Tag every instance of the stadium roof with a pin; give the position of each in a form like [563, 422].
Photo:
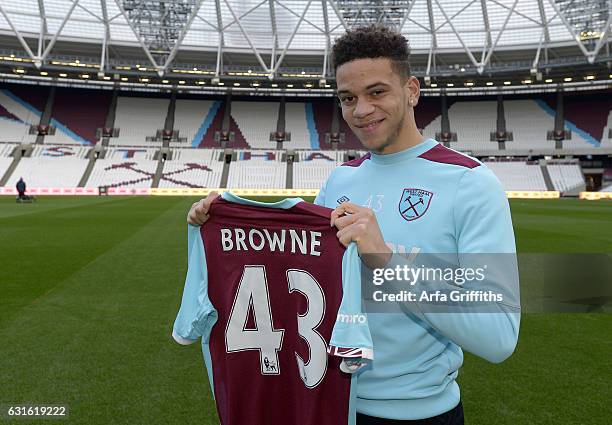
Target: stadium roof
[270, 35]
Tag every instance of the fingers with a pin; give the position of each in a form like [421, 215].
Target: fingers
[198, 214]
[345, 236]
[346, 220]
[344, 209]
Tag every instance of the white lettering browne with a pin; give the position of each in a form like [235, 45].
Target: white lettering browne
[304, 242]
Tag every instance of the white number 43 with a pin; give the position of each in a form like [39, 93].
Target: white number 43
[253, 296]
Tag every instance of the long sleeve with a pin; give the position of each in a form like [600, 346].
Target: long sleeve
[196, 315]
[484, 236]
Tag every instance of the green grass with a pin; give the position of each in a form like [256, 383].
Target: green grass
[89, 288]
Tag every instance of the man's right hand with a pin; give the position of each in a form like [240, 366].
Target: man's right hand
[198, 214]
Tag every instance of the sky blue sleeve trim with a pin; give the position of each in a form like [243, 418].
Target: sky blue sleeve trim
[351, 334]
[196, 315]
[182, 340]
[285, 204]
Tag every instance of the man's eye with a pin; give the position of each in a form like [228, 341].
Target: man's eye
[377, 92]
[347, 99]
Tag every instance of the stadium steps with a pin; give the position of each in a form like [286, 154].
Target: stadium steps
[546, 175]
[90, 165]
[45, 119]
[16, 158]
[226, 167]
[159, 170]
[110, 117]
[289, 176]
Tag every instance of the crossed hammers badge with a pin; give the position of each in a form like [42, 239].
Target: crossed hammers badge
[414, 203]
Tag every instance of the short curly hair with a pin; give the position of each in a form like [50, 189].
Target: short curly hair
[373, 41]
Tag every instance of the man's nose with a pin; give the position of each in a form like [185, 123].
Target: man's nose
[363, 108]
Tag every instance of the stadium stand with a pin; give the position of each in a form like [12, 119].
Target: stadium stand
[51, 166]
[16, 117]
[585, 114]
[191, 120]
[32, 97]
[427, 110]
[77, 114]
[518, 175]
[257, 170]
[296, 122]
[313, 168]
[472, 121]
[192, 168]
[529, 124]
[5, 159]
[323, 110]
[605, 139]
[216, 117]
[138, 118]
[256, 120]
[566, 177]
[6, 149]
[124, 168]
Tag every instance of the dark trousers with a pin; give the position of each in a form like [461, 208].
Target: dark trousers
[452, 417]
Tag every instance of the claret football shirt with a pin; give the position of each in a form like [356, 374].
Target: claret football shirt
[272, 292]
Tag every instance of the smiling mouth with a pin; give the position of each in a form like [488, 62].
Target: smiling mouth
[371, 125]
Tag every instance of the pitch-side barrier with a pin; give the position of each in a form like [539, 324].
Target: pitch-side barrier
[113, 191]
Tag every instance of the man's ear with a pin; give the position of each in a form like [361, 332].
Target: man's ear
[413, 90]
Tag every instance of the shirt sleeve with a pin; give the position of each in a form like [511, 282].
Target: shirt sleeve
[351, 334]
[320, 199]
[484, 234]
[196, 315]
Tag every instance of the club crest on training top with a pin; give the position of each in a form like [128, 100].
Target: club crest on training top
[414, 203]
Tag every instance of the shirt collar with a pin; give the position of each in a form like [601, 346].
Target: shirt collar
[404, 155]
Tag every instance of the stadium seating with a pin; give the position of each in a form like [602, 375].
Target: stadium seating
[472, 122]
[427, 110]
[192, 168]
[256, 120]
[5, 159]
[529, 123]
[16, 116]
[77, 114]
[6, 149]
[313, 168]
[211, 138]
[296, 123]
[190, 119]
[323, 110]
[585, 114]
[257, 170]
[138, 118]
[124, 168]
[518, 175]
[566, 177]
[605, 139]
[52, 166]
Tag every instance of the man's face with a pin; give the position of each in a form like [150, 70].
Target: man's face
[374, 102]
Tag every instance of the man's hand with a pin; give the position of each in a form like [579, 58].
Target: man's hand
[198, 214]
[358, 224]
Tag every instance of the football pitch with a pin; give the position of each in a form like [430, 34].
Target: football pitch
[90, 287]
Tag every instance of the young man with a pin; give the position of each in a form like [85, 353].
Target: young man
[410, 195]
